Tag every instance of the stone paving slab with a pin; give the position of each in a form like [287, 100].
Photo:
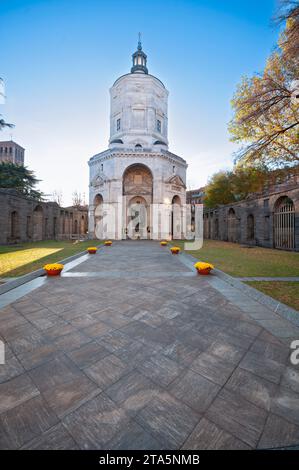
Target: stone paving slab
[261, 278]
[131, 349]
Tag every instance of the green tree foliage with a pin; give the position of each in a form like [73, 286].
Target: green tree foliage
[266, 117]
[230, 186]
[218, 190]
[4, 124]
[19, 178]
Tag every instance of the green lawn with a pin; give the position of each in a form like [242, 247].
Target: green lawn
[285, 292]
[241, 261]
[16, 260]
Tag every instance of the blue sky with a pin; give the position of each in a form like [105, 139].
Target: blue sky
[59, 57]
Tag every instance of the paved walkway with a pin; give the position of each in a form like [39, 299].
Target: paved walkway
[132, 349]
[271, 279]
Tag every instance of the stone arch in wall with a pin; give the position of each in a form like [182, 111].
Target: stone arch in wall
[211, 225]
[37, 225]
[176, 217]
[138, 209]
[29, 227]
[216, 228]
[82, 225]
[98, 216]
[284, 223]
[138, 181]
[14, 225]
[205, 225]
[55, 227]
[67, 223]
[250, 229]
[137, 185]
[231, 226]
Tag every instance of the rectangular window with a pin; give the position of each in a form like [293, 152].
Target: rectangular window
[266, 203]
[118, 125]
[158, 125]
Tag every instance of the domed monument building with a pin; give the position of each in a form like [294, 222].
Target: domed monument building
[137, 168]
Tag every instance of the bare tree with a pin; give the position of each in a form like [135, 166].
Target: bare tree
[3, 123]
[78, 199]
[57, 197]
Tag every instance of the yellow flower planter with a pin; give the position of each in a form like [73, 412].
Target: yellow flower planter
[92, 250]
[163, 243]
[175, 250]
[108, 243]
[203, 268]
[53, 269]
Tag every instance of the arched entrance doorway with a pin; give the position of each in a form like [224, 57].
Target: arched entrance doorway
[138, 197]
[284, 224]
[98, 216]
[138, 213]
[176, 219]
[37, 223]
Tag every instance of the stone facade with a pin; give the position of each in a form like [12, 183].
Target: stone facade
[11, 152]
[270, 219]
[137, 167]
[23, 219]
[195, 196]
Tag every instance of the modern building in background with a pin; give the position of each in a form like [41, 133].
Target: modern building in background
[137, 168]
[195, 196]
[11, 152]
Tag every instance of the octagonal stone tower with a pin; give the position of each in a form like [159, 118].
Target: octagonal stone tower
[138, 103]
[137, 165]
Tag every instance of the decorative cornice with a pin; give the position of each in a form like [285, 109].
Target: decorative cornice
[128, 153]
